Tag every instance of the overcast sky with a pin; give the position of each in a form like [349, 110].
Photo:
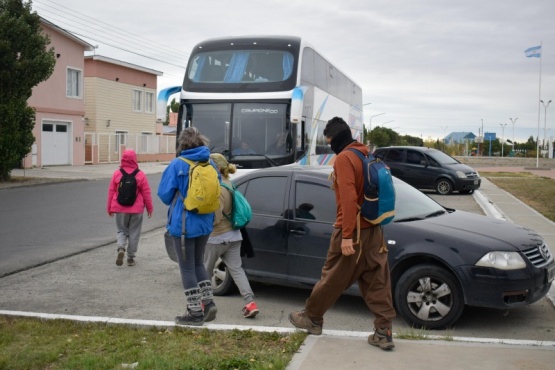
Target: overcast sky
[433, 67]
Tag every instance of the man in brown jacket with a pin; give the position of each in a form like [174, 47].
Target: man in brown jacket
[348, 261]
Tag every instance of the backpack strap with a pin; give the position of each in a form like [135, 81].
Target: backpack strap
[232, 191]
[359, 215]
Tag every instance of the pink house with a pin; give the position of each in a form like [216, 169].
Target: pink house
[59, 104]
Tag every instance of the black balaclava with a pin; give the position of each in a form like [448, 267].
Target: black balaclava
[340, 133]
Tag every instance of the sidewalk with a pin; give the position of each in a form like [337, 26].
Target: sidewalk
[349, 350]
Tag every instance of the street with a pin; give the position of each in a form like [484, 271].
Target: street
[90, 284]
[43, 223]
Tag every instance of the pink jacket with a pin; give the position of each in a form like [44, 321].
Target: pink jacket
[144, 199]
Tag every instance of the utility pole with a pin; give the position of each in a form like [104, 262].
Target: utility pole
[513, 121]
[502, 136]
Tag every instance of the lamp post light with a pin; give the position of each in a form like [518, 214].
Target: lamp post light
[545, 120]
[375, 115]
[444, 128]
[502, 136]
[513, 121]
[387, 122]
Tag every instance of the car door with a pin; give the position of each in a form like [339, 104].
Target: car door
[417, 170]
[312, 213]
[267, 231]
[394, 158]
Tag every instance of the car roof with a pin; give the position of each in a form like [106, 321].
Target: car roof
[420, 148]
[310, 170]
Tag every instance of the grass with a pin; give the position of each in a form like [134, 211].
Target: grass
[536, 191]
[28, 343]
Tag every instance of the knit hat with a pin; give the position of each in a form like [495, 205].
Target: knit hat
[335, 126]
[219, 160]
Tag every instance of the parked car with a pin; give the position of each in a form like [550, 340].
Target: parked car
[440, 259]
[427, 168]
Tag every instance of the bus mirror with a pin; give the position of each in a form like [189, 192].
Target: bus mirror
[162, 103]
[297, 102]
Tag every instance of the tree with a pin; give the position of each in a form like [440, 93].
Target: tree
[25, 61]
[172, 107]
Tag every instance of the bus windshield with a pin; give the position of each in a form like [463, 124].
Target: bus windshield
[252, 130]
[241, 66]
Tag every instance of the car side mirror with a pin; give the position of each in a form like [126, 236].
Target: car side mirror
[424, 163]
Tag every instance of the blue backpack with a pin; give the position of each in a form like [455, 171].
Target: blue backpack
[241, 212]
[378, 206]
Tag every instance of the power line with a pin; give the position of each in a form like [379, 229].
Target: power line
[169, 54]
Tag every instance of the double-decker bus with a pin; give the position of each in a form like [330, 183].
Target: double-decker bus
[264, 100]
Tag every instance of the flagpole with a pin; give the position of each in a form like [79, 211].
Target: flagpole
[539, 110]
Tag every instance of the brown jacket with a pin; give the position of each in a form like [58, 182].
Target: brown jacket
[221, 223]
[349, 189]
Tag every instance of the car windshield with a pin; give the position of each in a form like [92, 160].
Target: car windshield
[412, 204]
[441, 157]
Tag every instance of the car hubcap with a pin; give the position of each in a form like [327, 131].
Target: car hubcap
[430, 300]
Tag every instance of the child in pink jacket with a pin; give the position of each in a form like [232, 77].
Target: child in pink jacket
[129, 218]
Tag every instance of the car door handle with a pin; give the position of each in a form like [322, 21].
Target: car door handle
[298, 231]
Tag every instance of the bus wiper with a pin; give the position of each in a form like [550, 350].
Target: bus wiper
[271, 161]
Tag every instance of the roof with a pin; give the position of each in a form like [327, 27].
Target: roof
[459, 137]
[69, 35]
[124, 64]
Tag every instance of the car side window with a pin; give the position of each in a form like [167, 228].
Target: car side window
[266, 195]
[314, 202]
[415, 157]
[394, 155]
[432, 161]
[380, 154]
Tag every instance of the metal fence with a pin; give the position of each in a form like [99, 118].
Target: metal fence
[107, 148]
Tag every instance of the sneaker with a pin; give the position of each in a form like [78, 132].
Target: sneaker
[130, 262]
[302, 321]
[382, 338]
[190, 319]
[250, 310]
[121, 254]
[210, 311]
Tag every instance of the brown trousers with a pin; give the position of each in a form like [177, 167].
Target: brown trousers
[340, 272]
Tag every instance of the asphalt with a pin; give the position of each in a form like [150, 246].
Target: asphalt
[336, 349]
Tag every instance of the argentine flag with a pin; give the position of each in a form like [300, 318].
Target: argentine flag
[533, 52]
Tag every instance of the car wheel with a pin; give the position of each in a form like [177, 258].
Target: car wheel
[444, 187]
[429, 297]
[466, 191]
[222, 282]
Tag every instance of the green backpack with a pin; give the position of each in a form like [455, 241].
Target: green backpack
[241, 212]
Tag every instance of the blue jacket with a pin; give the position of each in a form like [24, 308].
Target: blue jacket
[176, 176]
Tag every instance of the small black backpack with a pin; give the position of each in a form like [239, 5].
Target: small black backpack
[127, 188]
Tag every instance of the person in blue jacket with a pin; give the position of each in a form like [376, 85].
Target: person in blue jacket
[172, 190]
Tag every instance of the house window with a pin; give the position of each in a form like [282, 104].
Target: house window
[149, 102]
[137, 101]
[121, 139]
[74, 88]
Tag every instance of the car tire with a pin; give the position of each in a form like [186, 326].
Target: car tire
[222, 282]
[444, 187]
[429, 297]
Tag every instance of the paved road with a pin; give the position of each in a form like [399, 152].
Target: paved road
[45, 222]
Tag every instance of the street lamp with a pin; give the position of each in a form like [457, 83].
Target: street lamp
[444, 128]
[502, 136]
[545, 120]
[375, 115]
[513, 121]
[387, 122]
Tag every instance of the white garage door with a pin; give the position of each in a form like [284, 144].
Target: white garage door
[55, 143]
